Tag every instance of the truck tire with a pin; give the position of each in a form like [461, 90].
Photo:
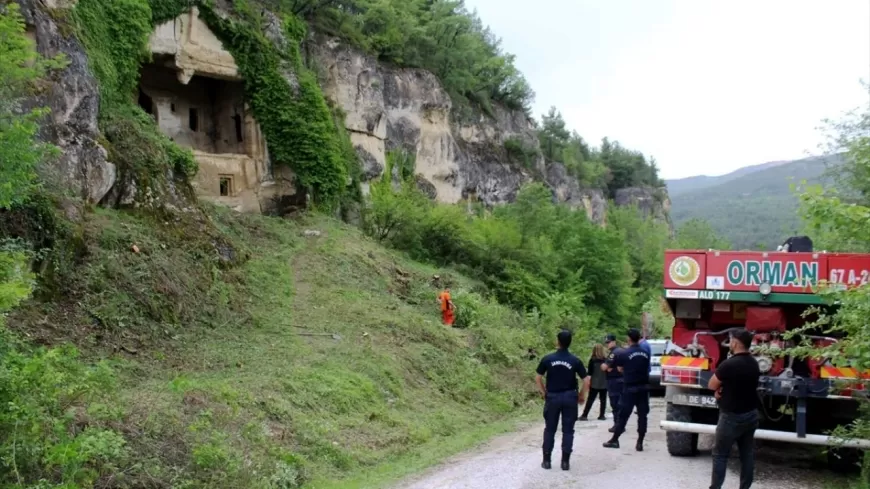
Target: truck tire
[680, 444]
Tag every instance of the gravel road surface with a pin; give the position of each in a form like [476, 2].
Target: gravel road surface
[513, 462]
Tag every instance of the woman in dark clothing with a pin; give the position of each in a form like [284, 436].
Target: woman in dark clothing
[598, 386]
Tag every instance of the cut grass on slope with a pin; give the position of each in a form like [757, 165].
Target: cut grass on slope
[231, 374]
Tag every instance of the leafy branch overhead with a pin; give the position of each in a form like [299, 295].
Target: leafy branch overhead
[838, 220]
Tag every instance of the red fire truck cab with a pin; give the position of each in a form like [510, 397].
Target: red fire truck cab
[713, 293]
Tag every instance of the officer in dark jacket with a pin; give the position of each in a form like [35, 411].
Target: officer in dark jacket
[614, 378]
[634, 364]
[561, 396]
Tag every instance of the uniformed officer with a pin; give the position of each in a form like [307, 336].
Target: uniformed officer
[561, 396]
[634, 364]
[614, 378]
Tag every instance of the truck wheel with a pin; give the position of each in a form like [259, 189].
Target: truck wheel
[681, 444]
[845, 460]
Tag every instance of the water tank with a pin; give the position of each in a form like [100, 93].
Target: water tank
[798, 244]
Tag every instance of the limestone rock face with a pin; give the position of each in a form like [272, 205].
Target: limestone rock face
[387, 108]
[73, 97]
[193, 47]
[650, 201]
[567, 190]
[195, 93]
[391, 108]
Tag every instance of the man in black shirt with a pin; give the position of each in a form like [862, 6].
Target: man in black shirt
[736, 386]
[561, 396]
[633, 362]
[614, 378]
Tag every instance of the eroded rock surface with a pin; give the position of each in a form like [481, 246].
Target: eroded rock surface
[73, 97]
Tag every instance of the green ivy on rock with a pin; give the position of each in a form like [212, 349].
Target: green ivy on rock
[165, 10]
[115, 35]
[294, 115]
[284, 95]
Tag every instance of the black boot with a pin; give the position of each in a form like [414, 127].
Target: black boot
[566, 461]
[546, 463]
[612, 429]
[612, 443]
[639, 446]
[583, 418]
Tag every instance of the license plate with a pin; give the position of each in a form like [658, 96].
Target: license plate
[695, 400]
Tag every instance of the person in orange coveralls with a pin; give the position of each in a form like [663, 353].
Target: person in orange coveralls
[446, 307]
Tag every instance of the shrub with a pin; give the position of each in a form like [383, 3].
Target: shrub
[520, 153]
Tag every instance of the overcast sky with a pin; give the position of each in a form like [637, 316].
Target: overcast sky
[705, 86]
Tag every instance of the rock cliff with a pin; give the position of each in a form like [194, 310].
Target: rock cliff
[73, 97]
[390, 108]
[386, 108]
[651, 202]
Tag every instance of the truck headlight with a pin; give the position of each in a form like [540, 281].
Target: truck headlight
[764, 363]
[764, 289]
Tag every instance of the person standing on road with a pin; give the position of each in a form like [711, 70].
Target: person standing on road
[614, 378]
[736, 386]
[561, 396]
[648, 349]
[634, 364]
[598, 384]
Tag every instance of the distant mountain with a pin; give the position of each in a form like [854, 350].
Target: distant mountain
[753, 207]
[682, 185]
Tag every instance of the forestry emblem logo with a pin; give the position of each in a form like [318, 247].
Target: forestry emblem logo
[684, 271]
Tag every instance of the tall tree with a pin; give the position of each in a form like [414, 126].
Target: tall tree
[553, 135]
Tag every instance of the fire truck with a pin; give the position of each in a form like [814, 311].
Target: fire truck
[714, 293]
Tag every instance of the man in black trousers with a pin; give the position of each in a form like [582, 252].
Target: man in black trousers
[561, 396]
[633, 362]
[614, 378]
[736, 386]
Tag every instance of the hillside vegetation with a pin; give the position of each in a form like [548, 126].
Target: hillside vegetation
[837, 220]
[225, 374]
[210, 361]
[752, 208]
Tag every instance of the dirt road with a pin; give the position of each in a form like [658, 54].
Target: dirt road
[512, 462]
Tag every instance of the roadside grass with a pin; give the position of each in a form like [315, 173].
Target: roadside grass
[250, 355]
[844, 482]
[426, 456]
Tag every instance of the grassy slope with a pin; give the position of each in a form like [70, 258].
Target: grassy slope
[216, 379]
[753, 210]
